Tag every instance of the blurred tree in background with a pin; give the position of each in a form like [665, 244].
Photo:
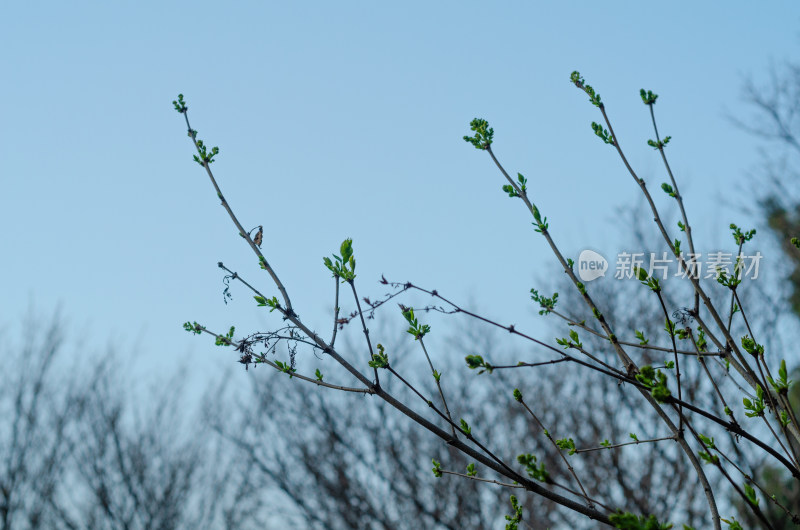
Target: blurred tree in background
[775, 120]
[79, 450]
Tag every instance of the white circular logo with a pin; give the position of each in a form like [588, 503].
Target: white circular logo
[591, 265]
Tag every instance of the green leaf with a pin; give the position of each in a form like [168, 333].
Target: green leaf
[474, 361]
[783, 383]
[471, 470]
[437, 472]
[508, 188]
[733, 524]
[708, 442]
[708, 458]
[541, 224]
[750, 493]
[465, 427]
[285, 368]
[752, 347]
[755, 407]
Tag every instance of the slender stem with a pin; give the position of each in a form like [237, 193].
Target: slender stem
[531, 365]
[677, 360]
[438, 384]
[755, 483]
[364, 328]
[560, 453]
[719, 467]
[335, 310]
[263, 360]
[479, 479]
[708, 374]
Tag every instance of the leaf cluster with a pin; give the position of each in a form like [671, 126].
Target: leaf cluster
[536, 472]
[206, 157]
[541, 223]
[739, 236]
[648, 97]
[343, 266]
[659, 144]
[655, 381]
[567, 444]
[415, 328]
[783, 383]
[272, 303]
[476, 361]
[512, 191]
[193, 327]
[602, 133]
[227, 339]
[484, 134]
[380, 359]
[572, 342]
[514, 520]
[647, 280]
[755, 407]
[547, 304]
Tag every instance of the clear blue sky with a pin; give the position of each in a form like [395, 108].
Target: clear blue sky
[344, 119]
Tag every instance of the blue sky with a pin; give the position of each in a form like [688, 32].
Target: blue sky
[343, 120]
